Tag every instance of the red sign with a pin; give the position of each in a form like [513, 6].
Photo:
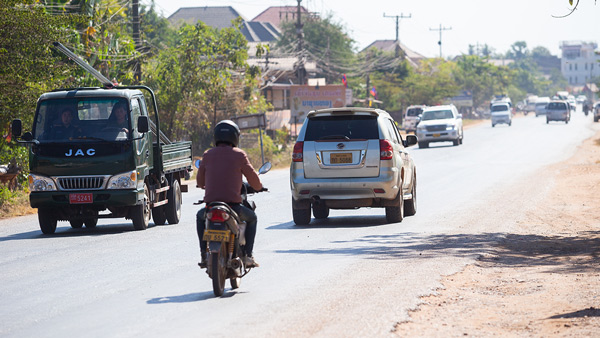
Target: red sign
[80, 198]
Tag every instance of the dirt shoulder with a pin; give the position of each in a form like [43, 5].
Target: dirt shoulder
[543, 281]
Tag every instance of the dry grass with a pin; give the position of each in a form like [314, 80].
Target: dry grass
[16, 206]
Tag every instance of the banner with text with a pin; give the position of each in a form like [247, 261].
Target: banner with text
[308, 98]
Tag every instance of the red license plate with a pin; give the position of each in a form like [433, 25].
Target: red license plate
[80, 198]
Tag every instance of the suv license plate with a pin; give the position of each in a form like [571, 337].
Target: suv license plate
[436, 135]
[81, 198]
[216, 235]
[340, 158]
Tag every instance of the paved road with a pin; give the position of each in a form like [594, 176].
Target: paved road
[349, 275]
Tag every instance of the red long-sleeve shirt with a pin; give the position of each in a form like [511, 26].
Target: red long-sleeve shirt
[220, 174]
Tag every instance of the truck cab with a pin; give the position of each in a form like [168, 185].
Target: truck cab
[92, 150]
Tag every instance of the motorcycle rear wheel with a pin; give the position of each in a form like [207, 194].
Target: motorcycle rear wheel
[219, 270]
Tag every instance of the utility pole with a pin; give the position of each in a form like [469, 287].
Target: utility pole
[300, 49]
[137, 68]
[440, 30]
[398, 17]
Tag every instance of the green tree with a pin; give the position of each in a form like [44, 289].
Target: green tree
[202, 80]
[518, 51]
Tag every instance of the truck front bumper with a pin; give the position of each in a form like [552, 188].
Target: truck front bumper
[100, 198]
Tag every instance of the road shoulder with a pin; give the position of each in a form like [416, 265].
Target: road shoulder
[540, 280]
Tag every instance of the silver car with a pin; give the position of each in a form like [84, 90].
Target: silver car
[558, 111]
[348, 158]
[440, 124]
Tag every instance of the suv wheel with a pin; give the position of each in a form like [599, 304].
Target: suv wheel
[410, 206]
[301, 215]
[395, 214]
[423, 144]
[320, 212]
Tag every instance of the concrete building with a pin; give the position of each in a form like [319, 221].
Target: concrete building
[580, 62]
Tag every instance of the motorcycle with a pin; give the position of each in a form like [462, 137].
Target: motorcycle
[225, 237]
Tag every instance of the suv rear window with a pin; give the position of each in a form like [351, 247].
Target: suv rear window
[414, 111]
[556, 106]
[353, 127]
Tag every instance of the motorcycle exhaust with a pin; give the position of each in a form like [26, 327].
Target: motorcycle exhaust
[235, 265]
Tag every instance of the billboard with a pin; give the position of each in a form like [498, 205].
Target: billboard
[307, 98]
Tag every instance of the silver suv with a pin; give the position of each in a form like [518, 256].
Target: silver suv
[348, 158]
[440, 124]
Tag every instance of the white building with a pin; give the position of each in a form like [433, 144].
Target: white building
[580, 62]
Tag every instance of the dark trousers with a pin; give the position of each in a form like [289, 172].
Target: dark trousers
[245, 214]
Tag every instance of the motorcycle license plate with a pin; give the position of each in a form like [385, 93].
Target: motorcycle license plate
[216, 235]
[81, 198]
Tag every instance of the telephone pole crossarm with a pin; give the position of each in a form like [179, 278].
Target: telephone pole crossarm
[441, 29]
[397, 17]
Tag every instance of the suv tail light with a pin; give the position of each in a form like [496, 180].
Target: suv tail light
[297, 154]
[217, 215]
[386, 151]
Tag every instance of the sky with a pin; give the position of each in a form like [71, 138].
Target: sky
[498, 23]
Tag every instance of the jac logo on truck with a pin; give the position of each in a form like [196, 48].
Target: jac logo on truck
[79, 152]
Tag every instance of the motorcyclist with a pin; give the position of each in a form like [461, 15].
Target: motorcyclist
[220, 175]
[586, 108]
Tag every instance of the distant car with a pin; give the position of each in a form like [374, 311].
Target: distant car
[558, 110]
[348, 158]
[572, 102]
[501, 113]
[597, 112]
[440, 124]
[540, 108]
[411, 118]
[581, 98]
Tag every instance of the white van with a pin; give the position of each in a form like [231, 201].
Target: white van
[540, 105]
[411, 118]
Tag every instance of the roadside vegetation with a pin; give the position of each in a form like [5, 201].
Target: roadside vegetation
[200, 75]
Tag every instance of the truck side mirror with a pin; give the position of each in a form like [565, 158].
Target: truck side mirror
[411, 140]
[27, 137]
[142, 124]
[16, 128]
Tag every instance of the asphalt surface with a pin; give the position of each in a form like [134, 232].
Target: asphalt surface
[349, 275]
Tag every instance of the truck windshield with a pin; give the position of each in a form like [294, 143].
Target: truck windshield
[81, 119]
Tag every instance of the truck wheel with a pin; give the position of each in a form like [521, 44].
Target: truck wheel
[395, 214]
[423, 144]
[141, 213]
[47, 221]
[159, 216]
[90, 222]
[76, 224]
[173, 208]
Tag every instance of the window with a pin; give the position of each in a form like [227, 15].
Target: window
[339, 127]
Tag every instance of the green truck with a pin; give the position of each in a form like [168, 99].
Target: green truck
[98, 153]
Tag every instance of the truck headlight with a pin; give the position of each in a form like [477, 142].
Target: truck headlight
[450, 127]
[41, 183]
[123, 181]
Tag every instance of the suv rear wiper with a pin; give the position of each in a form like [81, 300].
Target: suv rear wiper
[335, 137]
